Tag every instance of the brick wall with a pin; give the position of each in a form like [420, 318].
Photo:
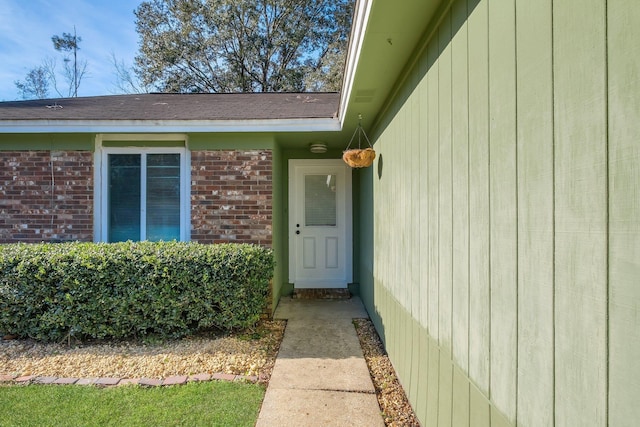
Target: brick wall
[231, 196]
[38, 203]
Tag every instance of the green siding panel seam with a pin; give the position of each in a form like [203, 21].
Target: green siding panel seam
[607, 216]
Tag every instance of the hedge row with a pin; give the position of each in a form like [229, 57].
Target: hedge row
[121, 290]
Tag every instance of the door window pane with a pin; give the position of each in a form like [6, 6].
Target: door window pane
[320, 200]
[124, 197]
[163, 197]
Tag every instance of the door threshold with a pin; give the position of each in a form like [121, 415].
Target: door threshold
[321, 293]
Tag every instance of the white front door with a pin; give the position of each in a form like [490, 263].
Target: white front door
[320, 224]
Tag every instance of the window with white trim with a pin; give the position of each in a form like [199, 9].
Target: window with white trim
[144, 194]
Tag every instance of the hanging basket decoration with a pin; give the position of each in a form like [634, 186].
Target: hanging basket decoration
[359, 157]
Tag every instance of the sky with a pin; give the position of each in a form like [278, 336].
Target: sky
[26, 26]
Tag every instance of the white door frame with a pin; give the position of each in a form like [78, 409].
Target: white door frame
[295, 217]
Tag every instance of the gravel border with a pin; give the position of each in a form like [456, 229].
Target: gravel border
[395, 407]
[250, 354]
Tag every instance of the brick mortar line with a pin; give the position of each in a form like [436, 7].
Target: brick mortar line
[115, 381]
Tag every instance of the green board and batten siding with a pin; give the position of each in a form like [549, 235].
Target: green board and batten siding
[580, 198]
[535, 398]
[623, 52]
[503, 222]
[503, 208]
[479, 273]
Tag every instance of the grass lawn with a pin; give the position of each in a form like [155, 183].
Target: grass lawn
[210, 403]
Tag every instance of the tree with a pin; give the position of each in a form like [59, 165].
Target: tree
[39, 79]
[73, 73]
[242, 45]
[35, 84]
[126, 79]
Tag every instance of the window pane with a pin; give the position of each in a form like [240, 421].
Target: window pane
[124, 197]
[320, 200]
[163, 197]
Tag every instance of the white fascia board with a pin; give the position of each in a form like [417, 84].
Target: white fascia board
[360, 20]
[171, 126]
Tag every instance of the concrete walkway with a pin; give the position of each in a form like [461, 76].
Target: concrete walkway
[320, 377]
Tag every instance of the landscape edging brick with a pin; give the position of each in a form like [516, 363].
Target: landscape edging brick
[115, 381]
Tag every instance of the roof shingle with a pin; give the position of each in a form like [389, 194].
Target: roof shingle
[211, 106]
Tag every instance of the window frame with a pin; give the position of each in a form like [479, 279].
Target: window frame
[101, 176]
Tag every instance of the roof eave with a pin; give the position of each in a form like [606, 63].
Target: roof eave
[164, 126]
[359, 25]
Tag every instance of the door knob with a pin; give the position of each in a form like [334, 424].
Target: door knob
[297, 231]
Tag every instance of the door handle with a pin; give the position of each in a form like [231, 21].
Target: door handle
[297, 231]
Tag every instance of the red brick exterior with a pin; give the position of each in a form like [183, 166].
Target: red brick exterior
[30, 211]
[231, 196]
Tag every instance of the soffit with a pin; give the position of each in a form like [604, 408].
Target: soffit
[393, 32]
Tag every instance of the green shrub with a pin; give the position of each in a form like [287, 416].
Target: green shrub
[120, 290]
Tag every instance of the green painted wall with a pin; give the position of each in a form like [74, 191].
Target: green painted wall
[42, 141]
[197, 141]
[623, 128]
[500, 223]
